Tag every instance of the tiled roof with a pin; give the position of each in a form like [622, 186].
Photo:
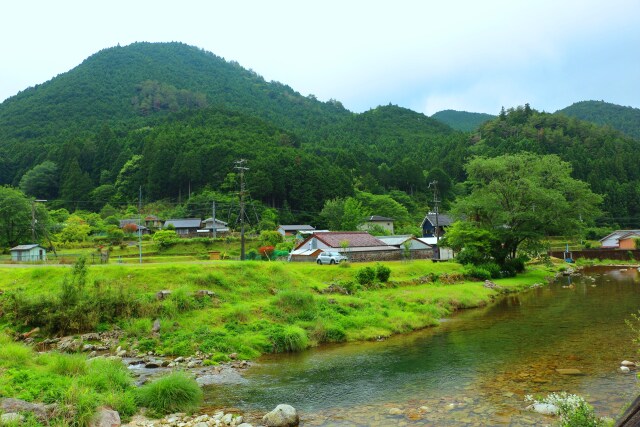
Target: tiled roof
[355, 239]
[184, 223]
[296, 227]
[395, 240]
[379, 218]
[444, 220]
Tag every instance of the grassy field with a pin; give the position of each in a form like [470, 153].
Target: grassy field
[256, 307]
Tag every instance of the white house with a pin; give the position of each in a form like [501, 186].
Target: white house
[33, 252]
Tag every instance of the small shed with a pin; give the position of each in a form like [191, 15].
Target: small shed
[24, 253]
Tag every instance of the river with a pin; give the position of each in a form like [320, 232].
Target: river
[473, 370]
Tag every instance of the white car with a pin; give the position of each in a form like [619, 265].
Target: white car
[331, 258]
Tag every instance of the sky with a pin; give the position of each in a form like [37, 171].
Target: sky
[426, 55]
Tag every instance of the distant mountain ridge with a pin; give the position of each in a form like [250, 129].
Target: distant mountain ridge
[624, 119]
[173, 119]
[462, 120]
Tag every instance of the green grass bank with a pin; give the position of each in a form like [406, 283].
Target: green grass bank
[251, 307]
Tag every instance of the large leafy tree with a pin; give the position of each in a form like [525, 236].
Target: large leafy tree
[525, 197]
[41, 181]
[16, 217]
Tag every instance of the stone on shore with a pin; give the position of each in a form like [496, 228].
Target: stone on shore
[105, 417]
[11, 418]
[282, 416]
[627, 363]
[544, 408]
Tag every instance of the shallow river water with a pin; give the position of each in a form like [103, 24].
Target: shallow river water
[473, 370]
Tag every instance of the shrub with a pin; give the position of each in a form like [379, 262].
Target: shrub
[476, 272]
[492, 268]
[382, 273]
[574, 411]
[288, 338]
[175, 392]
[328, 332]
[165, 238]
[296, 305]
[366, 276]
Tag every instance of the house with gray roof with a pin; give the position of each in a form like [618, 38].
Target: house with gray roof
[184, 227]
[435, 224]
[382, 222]
[294, 229]
[620, 239]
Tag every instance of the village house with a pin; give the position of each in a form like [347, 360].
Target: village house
[378, 221]
[23, 253]
[356, 245]
[143, 229]
[620, 239]
[152, 222]
[429, 222]
[184, 227]
[209, 226]
[294, 230]
[411, 247]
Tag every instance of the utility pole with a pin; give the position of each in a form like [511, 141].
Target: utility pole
[140, 223]
[33, 218]
[240, 166]
[214, 228]
[436, 208]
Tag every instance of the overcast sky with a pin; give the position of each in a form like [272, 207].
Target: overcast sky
[425, 55]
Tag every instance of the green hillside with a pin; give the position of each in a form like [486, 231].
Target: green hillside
[601, 156]
[173, 119]
[462, 120]
[624, 119]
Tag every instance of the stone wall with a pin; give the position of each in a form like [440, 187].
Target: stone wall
[374, 256]
[614, 254]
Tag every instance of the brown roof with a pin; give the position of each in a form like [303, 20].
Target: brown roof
[355, 238]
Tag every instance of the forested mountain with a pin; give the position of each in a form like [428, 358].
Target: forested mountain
[173, 119]
[601, 156]
[462, 120]
[624, 119]
[128, 87]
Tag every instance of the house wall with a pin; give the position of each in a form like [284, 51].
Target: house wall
[387, 225]
[29, 256]
[628, 243]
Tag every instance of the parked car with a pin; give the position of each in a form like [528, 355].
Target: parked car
[331, 258]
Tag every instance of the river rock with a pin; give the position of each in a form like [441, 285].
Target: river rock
[395, 411]
[282, 416]
[625, 369]
[227, 419]
[105, 417]
[627, 363]
[11, 405]
[11, 418]
[245, 425]
[544, 408]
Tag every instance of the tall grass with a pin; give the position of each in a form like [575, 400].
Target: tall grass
[175, 392]
[77, 385]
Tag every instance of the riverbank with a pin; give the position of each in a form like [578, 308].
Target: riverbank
[250, 308]
[225, 312]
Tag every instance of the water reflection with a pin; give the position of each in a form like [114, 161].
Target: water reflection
[472, 370]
